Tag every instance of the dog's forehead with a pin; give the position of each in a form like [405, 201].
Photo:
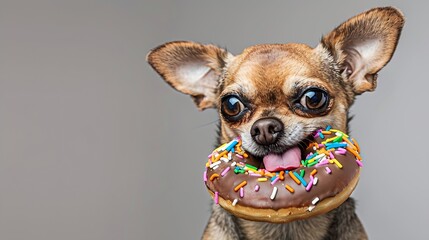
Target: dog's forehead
[273, 66]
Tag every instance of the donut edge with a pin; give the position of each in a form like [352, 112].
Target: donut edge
[285, 215]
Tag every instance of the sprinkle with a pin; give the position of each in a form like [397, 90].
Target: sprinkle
[274, 193]
[354, 153]
[242, 184]
[225, 171]
[245, 155]
[328, 127]
[215, 167]
[310, 184]
[264, 179]
[356, 144]
[300, 179]
[224, 159]
[315, 180]
[239, 156]
[231, 145]
[234, 202]
[337, 163]
[282, 175]
[313, 172]
[205, 176]
[215, 175]
[302, 173]
[251, 167]
[289, 188]
[321, 135]
[275, 180]
[256, 187]
[215, 164]
[255, 174]
[328, 170]
[216, 197]
[242, 192]
[349, 143]
[220, 155]
[331, 155]
[229, 155]
[310, 208]
[359, 163]
[294, 178]
[316, 200]
[327, 132]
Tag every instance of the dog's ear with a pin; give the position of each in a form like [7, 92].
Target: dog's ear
[191, 68]
[364, 44]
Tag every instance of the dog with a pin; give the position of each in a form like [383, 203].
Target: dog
[276, 95]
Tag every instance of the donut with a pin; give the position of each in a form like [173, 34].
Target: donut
[324, 178]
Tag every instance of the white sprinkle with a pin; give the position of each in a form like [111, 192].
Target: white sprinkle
[315, 180]
[274, 193]
[311, 208]
[234, 202]
[316, 200]
[319, 156]
[229, 155]
[314, 148]
[233, 164]
[338, 134]
[214, 168]
[224, 159]
[215, 164]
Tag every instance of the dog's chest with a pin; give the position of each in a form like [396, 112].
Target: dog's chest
[311, 229]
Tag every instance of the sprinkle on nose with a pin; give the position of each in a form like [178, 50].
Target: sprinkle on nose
[265, 131]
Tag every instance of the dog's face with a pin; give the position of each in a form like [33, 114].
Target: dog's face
[276, 96]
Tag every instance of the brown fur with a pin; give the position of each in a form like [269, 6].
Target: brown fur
[268, 78]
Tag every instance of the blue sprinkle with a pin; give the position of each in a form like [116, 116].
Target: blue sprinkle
[272, 179]
[231, 145]
[328, 127]
[321, 135]
[300, 179]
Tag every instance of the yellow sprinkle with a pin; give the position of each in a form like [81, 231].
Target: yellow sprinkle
[263, 179]
[337, 163]
[326, 132]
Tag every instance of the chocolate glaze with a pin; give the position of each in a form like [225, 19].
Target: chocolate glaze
[328, 185]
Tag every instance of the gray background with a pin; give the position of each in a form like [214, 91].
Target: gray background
[94, 145]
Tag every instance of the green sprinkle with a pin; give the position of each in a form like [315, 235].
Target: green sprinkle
[302, 173]
[312, 164]
[252, 167]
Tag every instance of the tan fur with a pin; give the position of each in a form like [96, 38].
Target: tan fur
[269, 77]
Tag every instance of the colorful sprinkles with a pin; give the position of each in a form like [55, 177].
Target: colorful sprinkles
[322, 159]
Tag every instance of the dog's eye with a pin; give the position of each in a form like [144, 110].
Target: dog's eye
[314, 99]
[232, 106]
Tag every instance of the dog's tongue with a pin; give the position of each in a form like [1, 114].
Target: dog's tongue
[287, 161]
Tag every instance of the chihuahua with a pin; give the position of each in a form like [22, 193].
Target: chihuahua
[276, 95]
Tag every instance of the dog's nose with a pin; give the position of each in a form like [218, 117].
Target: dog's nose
[265, 131]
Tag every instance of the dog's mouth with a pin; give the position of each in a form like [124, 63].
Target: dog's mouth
[282, 157]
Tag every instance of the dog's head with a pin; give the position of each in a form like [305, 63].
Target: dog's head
[274, 96]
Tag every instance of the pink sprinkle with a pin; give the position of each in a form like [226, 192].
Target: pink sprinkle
[328, 170]
[225, 171]
[255, 174]
[321, 145]
[322, 162]
[275, 180]
[205, 176]
[241, 192]
[308, 155]
[310, 184]
[331, 155]
[317, 134]
[209, 156]
[256, 188]
[216, 197]
[341, 151]
[239, 156]
[359, 163]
